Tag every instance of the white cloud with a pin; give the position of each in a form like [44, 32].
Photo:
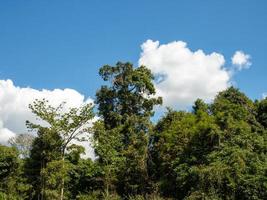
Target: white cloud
[5, 134]
[14, 109]
[264, 95]
[184, 75]
[241, 60]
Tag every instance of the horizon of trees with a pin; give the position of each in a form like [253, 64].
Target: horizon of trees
[216, 151]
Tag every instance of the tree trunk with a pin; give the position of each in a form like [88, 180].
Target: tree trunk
[42, 181]
[62, 181]
[62, 190]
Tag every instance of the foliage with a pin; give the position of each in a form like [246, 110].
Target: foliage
[46, 148]
[262, 112]
[8, 161]
[63, 126]
[13, 184]
[125, 106]
[129, 93]
[217, 151]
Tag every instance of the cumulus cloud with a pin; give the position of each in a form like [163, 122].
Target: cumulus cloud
[241, 60]
[183, 75]
[14, 109]
[264, 95]
[5, 134]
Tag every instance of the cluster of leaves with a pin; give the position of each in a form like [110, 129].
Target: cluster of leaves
[216, 151]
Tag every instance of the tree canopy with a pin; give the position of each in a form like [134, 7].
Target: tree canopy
[218, 150]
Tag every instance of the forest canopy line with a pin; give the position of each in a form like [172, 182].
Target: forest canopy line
[216, 151]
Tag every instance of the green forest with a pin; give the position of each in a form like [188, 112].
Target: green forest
[213, 151]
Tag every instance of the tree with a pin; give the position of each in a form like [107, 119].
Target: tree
[125, 106]
[216, 152]
[8, 165]
[69, 125]
[46, 147]
[12, 185]
[53, 174]
[129, 93]
[262, 112]
[171, 138]
[22, 143]
[8, 161]
[108, 146]
[240, 161]
[233, 104]
[200, 106]
[83, 174]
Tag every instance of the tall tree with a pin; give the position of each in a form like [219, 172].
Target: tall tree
[129, 93]
[126, 104]
[69, 124]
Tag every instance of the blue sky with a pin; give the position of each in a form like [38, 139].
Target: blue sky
[61, 44]
[54, 45]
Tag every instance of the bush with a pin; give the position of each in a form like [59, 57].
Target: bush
[97, 195]
[147, 197]
[4, 196]
[137, 197]
[91, 196]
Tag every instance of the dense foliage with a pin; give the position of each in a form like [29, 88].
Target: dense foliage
[216, 151]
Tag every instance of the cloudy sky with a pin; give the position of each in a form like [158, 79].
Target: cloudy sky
[53, 49]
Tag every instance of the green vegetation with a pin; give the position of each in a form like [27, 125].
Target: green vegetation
[216, 151]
